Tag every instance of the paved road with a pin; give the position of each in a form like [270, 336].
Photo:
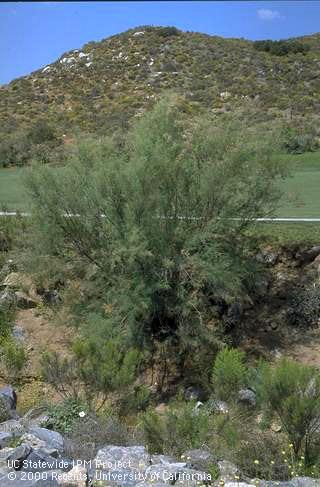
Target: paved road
[289, 220]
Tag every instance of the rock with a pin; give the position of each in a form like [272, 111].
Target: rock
[247, 397]
[305, 482]
[275, 427]
[10, 395]
[267, 257]
[18, 455]
[12, 426]
[76, 477]
[228, 471]
[177, 474]
[5, 438]
[7, 299]
[197, 407]
[50, 480]
[33, 441]
[40, 461]
[135, 456]
[233, 315]
[193, 393]
[217, 406]
[262, 285]
[24, 301]
[296, 482]
[199, 459]
[35, 417]
[52, 439]
[308, 255]
[51, 297]
[238, 484]
[147, 484]
[8, 267]
[164, 459]
[161, 408]
[18, 334]
[14, 279]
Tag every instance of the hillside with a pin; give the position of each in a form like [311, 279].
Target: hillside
[104, 84]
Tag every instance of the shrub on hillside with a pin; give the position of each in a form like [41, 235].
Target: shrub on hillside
[300, 140]
[92, 432]
[13, 358]
[229, 373]
[292, 392]
[282, 47]
[63, 416]
[168, 243]
[178, 430]
[304, 310]
[97, 367]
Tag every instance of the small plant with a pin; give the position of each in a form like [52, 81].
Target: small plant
[13, 358]
[292, 392]
[229, 373]
[92, 432]
[304, 308]
[5, 324]
[179, 429]
[62, 417]
[137, 400]
[97, 367]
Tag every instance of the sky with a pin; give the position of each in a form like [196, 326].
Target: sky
[33, 35]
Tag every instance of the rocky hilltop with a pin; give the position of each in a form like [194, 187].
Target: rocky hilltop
[102, 85]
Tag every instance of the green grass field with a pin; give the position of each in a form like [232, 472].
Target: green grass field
[301, 190]
[12, 192]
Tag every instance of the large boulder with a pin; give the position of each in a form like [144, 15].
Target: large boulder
[41, 460]
[7, 299]
[247, 397]
[18, 455]
[135, 456]
[23, 301]
[193, 393]
[306, 256]
[216, 406]
[228, 471]
[52, 439]
[199, 459]
[51, 297]
[269, 257]
[176, 474]
[5, 439]
[296, 482]
[76, 477]
[49, 479]
[8, 402]
[12, 426]
[9, 394]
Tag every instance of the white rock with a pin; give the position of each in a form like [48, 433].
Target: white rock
[88, 64]
[139, 33]
[225, 94]
[47, 68]
[82, 54]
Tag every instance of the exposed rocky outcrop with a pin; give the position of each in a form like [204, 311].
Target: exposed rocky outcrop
[34, 456]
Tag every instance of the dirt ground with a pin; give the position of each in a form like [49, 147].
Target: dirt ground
[40, 334]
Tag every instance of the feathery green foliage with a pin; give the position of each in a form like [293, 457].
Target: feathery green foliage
[292, 392]
[164, 219]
